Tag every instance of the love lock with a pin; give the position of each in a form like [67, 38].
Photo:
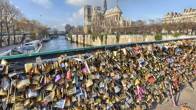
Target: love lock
[49, 98]
[59, 104]
[1, 68]
[31, 93]
[3, 93]
[23, 83]
[5, 83]
[117, 89]
[28, 67]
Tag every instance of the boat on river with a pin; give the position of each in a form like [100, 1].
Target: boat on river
[46, 39]
[26, 48]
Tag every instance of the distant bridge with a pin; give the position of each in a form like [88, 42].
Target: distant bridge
[57, 33]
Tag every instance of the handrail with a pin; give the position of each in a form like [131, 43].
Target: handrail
[69, 52]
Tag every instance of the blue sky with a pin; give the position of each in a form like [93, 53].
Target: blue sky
[57, 13]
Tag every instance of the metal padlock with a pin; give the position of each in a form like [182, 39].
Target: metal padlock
[1, 68]
[59, 104]
[5, 83]
[28, 67]
[23, 83]
[31, 93]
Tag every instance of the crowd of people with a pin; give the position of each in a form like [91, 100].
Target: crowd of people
[123, 79]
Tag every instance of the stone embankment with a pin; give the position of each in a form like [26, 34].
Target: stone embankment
[114, 39]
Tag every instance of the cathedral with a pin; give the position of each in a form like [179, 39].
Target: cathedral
[101, 19]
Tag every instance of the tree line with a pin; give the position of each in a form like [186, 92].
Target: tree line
[140, 27]
[143, 27]
[12, 21]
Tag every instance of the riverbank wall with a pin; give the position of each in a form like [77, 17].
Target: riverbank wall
[117, 39]
[109, 39]
[17, 39]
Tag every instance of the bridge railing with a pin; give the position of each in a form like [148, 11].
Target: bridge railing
[54, 54]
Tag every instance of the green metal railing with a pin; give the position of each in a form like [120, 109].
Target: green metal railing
[69, 52]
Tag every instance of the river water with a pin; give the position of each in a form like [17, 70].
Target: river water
[59, 43]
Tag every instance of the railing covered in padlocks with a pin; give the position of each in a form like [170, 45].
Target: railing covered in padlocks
[126, 78]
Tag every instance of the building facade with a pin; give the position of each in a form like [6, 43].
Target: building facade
[97, 19]
[188, 15]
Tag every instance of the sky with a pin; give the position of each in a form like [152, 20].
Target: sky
[57, 13]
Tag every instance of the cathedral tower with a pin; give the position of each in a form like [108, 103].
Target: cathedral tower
[105, 7]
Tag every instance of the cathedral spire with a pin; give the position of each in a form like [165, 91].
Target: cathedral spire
[117, 3]
[105, 5]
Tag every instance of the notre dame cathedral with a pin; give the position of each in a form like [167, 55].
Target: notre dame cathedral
[101, 19]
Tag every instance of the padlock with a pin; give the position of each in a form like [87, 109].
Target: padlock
[68, 102]
[4, 62]
[27, 102]
[31, 93]
[50, 87]
[47, 68]
[47, 79]
[137, 82]
[28, 67]
[150, 79]
[185, 107]
[58, 93]
[36, 79]
[117, 89]
[36, 69]
[39, 98]
[124, 51]
[69, 75]
[89, 83]
[114, 53]
[23, 83]
[55, 65]
[49, 98]
[3, 93]
[71, 91]
[18, 106]
[5, 83]
[57, 77]
[1, 68]
[60, 104]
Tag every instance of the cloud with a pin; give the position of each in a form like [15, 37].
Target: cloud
[77, 17]
[83, 2]
[75, 2]
[79, 13]
[43, 3]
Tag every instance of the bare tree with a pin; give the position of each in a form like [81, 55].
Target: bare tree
[9, 14]
[1, 22]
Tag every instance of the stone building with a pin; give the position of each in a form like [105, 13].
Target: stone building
[97, 19]
[189, 15]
